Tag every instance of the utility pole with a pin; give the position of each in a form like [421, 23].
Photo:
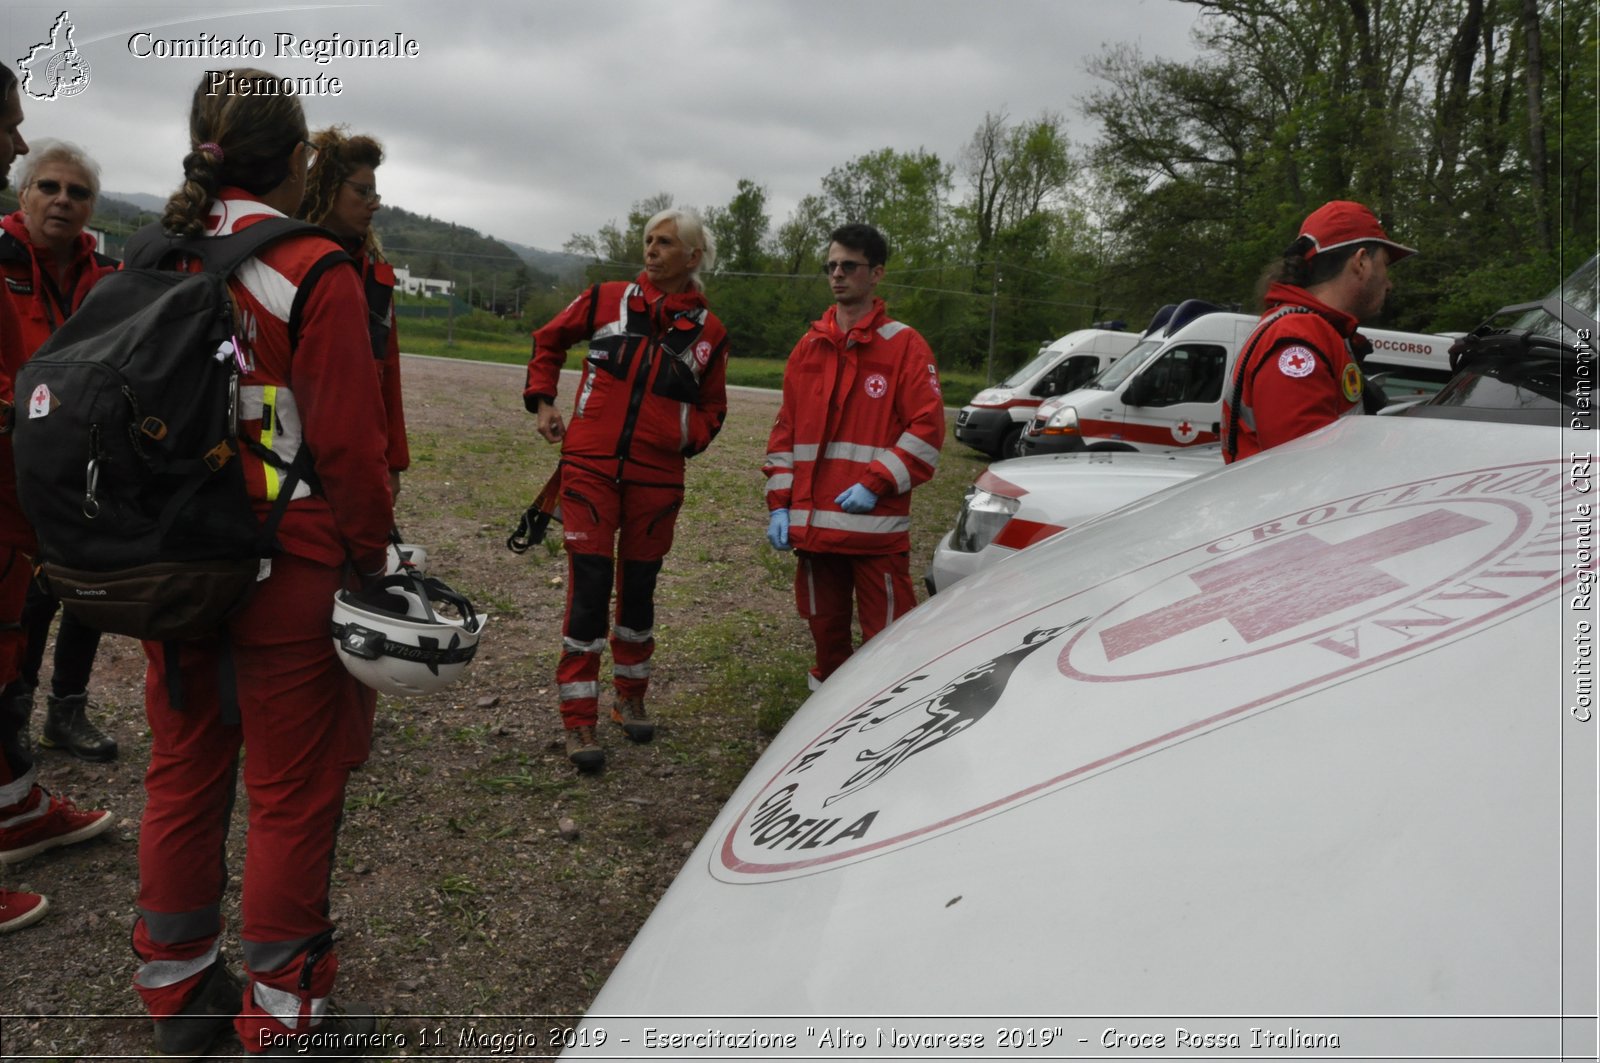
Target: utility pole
[994, 303]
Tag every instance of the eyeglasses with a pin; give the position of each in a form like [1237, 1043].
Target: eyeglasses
[76, 193]
[311, 152]
[847, 268]
[368, 193]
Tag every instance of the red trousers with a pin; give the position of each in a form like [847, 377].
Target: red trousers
[823, 587]
[304, 723]
[616, 533]
[16, 572]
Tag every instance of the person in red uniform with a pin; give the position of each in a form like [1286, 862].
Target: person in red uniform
[32, 820]
[653, 393]
[342, 197]
[861, 424]
[48, 264]
[1301, 367]
[303, 722]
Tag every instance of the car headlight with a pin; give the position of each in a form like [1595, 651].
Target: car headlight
[1064, 422]
[983, 514]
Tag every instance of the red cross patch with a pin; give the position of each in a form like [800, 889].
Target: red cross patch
[1297, 361]
[876, 385]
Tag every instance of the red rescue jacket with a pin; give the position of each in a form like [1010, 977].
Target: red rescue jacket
[654, 386]
[315, 393]
[863, 407]
[1297, 372]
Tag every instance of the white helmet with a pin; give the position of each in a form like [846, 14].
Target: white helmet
[405, 634]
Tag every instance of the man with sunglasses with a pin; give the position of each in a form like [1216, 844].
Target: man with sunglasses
[49, 263]
[861, 424]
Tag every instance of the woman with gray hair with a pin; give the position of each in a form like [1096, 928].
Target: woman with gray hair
[653, 394]
[49, 264]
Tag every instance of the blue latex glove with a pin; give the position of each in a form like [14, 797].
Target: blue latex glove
[778, 529]
[857, 500]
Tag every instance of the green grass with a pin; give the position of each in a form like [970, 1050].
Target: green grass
[482, 337]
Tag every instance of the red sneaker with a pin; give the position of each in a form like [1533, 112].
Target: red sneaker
[46, 822]
[18, 910]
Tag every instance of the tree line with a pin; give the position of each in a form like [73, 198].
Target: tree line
[1469, 126]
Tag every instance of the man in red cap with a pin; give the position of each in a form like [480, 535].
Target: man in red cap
[1301, 367]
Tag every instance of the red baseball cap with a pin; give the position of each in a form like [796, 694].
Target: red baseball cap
[1341, 222]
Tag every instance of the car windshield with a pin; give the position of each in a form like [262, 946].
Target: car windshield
[1531, 363]
[1031, 370]
[1112, 377]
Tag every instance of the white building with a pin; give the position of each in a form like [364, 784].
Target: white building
[427, 287]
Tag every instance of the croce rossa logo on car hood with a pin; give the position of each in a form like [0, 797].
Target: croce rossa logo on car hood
[1246, 623]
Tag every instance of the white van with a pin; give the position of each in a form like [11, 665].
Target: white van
[994, 419]
[1167, 391]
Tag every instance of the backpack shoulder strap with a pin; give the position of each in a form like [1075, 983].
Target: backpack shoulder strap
[152, 246]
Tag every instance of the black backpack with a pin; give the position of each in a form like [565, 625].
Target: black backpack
[127, 444]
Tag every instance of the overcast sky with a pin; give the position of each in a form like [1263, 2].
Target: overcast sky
[532, 120]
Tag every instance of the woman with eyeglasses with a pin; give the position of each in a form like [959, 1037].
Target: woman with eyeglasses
[303, 721]
[49, 263]
[342, 197]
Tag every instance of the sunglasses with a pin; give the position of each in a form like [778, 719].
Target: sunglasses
[847, 268]
[368, 193]
[76, 193]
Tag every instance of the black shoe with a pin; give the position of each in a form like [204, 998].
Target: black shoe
[343, 1033]
[67, 726]
[208, 1014]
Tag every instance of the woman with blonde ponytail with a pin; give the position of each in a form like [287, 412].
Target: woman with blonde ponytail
[303, 720]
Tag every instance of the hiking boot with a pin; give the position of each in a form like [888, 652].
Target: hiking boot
[67, 726]
[629, 713]
[343, 1033]
[16, 710]
[45, 822]
[584, 751]
[204, 1017]
[18, 910]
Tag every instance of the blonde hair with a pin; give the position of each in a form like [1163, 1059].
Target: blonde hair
[694, 234]
[242, 138]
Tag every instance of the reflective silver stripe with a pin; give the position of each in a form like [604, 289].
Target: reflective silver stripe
[888, 589]
[158, 974]
[271, 955]
[799, 518]
[285, 433]
[683, 424]
[805, 451]
[574, 646]
[812, 682]
[781, 459]
[628, 634]
[1247, 417]
[18, 788]
[782, 481]
[192, 926]
[285, 1006]
[811, 589]
[584, 389]
[897, 469]
[850, 452]
[889, 329]
[923, 452]
[631, 671]
[272, 289]
[604, 331]
[858, 522]
[574, 691]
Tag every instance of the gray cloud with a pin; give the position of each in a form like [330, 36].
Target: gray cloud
[538, 119]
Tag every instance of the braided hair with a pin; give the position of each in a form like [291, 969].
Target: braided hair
[243, 128]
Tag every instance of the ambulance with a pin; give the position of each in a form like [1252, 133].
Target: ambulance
[993, 421]
[1294, 759]
[1167, 391]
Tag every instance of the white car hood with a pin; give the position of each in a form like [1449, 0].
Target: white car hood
[1285, 740]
